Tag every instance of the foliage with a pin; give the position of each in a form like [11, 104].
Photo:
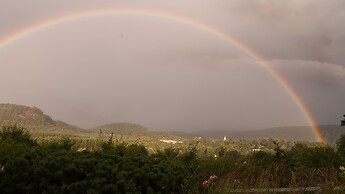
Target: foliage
[15, 141]
[16, 134]
[60, 166]
[341, 146]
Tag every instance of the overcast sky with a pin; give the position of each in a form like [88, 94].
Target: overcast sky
[167, 75]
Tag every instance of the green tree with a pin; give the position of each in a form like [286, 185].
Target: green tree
[341, 145]
[16, 134]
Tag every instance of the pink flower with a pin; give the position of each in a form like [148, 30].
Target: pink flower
[213, 177]
[206, 183]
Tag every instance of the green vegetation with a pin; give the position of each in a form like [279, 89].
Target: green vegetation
[120, 129]
[61, 165]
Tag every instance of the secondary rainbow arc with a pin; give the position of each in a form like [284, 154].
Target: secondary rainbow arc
[12, 38]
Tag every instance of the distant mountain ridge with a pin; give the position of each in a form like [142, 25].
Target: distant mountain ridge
[35, 120]
[303, 133]
[298, 133]
[331, 133]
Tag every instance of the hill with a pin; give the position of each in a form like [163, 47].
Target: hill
[120, 129]
[332, 132]
[33, 119]
[300, 133]
[303, 133]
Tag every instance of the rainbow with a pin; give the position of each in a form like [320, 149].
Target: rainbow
[12, 38]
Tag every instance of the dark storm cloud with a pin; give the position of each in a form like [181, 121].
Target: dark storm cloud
[307, 30]
[320, 84]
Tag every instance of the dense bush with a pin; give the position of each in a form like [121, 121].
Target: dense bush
[58, 167]
[54, 167]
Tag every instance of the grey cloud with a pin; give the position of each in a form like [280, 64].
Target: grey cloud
[168, 75]
[321, 86]
[290, 30]
[307, 30]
